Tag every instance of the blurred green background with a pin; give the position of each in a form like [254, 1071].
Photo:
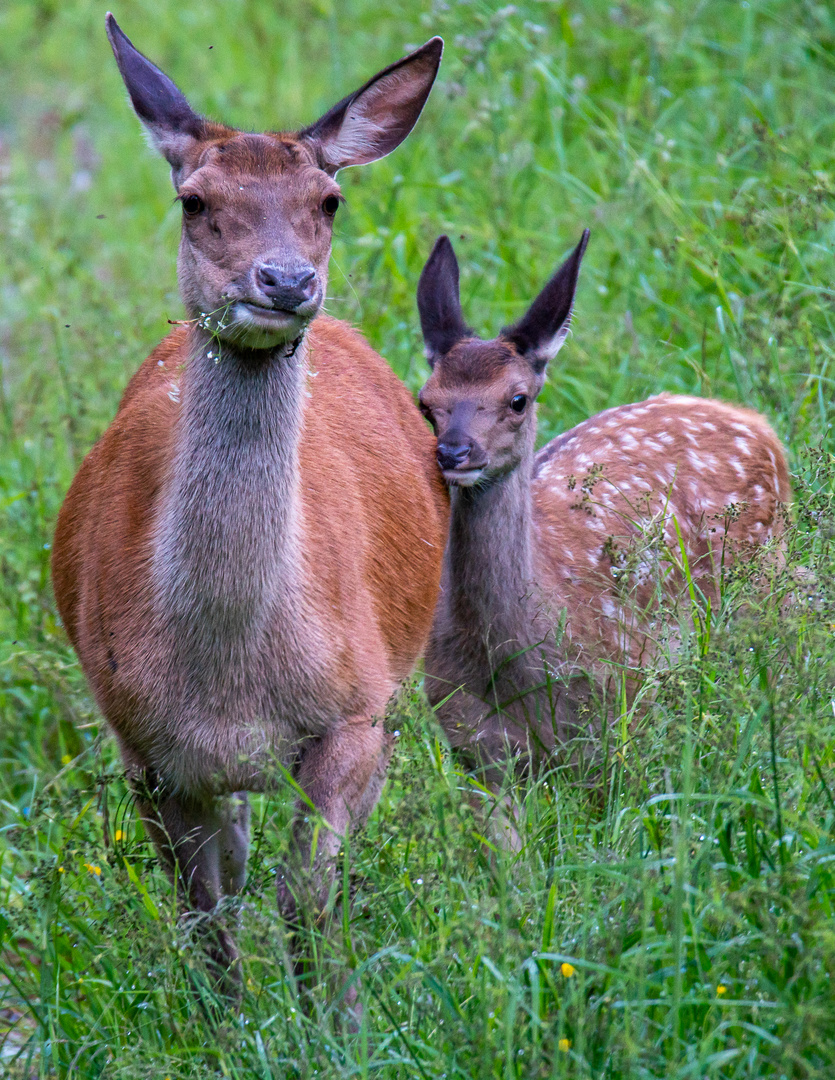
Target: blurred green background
[696, 141]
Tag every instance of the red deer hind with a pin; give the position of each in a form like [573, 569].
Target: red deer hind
[532, 535]
[246, 572]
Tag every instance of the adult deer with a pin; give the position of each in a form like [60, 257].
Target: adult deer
[533, 535]
[246, 574]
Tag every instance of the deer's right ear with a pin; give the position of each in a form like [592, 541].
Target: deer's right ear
[371, 122]
[439, 303]
[162, 108]
[539, 335]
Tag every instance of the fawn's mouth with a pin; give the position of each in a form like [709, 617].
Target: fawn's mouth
[466, 477]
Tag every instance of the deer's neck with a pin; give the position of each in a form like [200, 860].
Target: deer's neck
[228, 545]
[488, 574]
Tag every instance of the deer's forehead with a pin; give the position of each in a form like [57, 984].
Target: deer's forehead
[485, 368]
[257, 154]
[248, 162]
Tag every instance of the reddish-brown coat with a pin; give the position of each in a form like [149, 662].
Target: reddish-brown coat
[375, 511]
[607, 492]
[568, 563]
[247, 561]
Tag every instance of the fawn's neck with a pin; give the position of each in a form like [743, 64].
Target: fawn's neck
[488, 571]
[228, 546]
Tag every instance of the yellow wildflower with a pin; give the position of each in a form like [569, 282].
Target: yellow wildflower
[118, 835]
[564, 1045]
[721, 989]
[93, 869]
[66, 759]
[567, 970]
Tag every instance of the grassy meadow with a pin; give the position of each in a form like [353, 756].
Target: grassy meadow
[674, 917]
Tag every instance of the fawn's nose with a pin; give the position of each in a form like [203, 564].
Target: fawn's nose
[287, 290]
[451, 455]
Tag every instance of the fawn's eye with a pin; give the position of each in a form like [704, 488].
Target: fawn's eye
[330, 205]
[519, 402]
[192, 205]
[428, 414]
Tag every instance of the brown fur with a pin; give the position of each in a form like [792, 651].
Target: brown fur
[567, 563]
[718, 470]
[246, 575]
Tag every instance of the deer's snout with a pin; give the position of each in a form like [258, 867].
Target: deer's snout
[452, 454]
[288, 290]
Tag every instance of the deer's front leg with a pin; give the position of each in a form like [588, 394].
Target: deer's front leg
[188, 836]
[233, 842]
[342, 774]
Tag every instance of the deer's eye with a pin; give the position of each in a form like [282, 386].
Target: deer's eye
[193, 205]
[519, 402]
[427, 412]
[330, 205]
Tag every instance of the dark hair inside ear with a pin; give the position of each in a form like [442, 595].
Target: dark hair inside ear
[439, 303]
[158, 103]
[539, 334]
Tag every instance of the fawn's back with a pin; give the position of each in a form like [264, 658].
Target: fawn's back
[612, 496]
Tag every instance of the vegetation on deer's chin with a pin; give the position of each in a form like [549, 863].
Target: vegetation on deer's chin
[670, 913]
[234, 325]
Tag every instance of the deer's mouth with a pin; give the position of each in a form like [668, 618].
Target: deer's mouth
[465, 476]
[272, 316]
[258, 327]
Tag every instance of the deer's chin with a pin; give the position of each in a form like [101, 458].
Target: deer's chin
[463, 477]
[261, 328]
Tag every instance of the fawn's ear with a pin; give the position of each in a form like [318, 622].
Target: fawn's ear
[539, 335]
[169, 119]
[371, 122]
[438, 302]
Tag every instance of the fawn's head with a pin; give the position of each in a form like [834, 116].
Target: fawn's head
[258, 209]
[480, 397]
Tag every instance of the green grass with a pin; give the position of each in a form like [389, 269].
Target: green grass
[691, 887]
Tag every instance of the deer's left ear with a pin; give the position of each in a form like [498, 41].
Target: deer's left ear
[539, 335]
[439, 303]
[171, 122]
[371, 122]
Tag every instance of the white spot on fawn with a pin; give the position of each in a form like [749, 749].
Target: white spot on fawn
[695, 460]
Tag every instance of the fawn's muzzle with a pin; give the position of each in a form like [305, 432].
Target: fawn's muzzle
[451, 455]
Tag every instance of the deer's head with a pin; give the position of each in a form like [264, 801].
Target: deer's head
[258, 209]
[480, 396]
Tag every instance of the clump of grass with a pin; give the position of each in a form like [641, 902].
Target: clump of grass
[675, 917]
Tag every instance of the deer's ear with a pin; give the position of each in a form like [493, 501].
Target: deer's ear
[371, 122]
[172, 124]
[539, 335]
[438, 302]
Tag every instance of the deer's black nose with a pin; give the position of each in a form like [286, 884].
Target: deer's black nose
[451, 455]
[287, 290]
